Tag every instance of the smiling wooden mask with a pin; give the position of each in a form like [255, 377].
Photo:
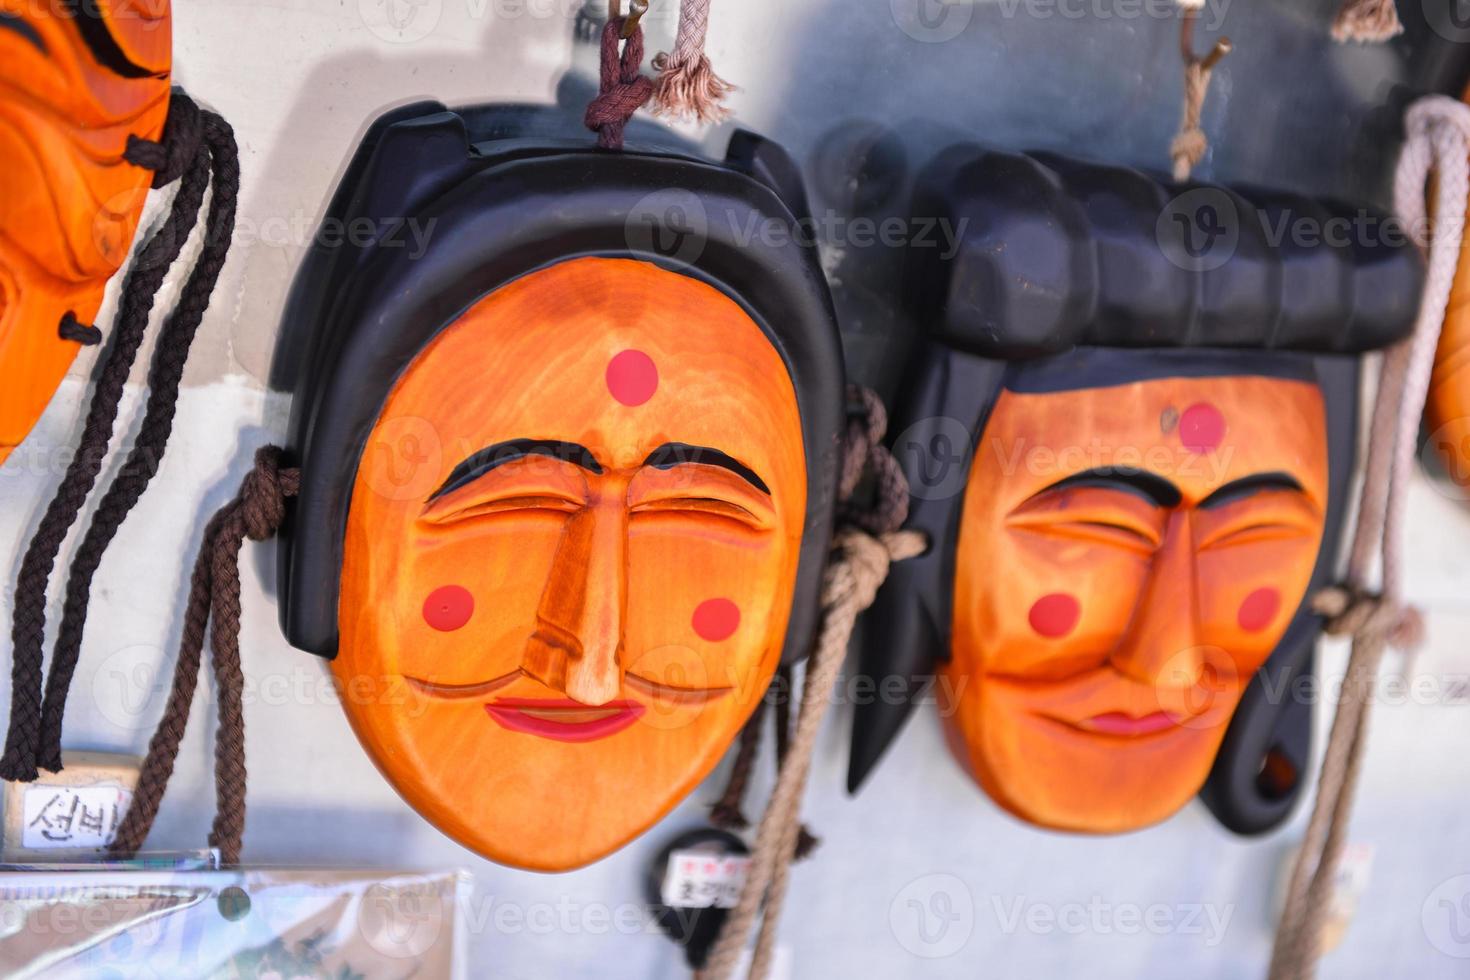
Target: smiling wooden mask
[565, 496]
[75, 83]
[1129, 441]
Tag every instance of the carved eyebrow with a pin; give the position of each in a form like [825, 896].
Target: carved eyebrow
[27, 30]
[99, 40]
[1155, 489]
[477, 464]
[672, 454]
[1247, 485]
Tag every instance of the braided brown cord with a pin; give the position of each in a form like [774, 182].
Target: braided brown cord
[727, 813]
[143, 461]
[28, 626]
[622, 89]
[860, 563]
[214, 603]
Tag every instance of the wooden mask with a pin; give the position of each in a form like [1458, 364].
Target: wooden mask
[565, 497]
[78, 81]
[1130, 443]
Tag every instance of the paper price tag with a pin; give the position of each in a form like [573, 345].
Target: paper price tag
[701, 880]
[71, 817]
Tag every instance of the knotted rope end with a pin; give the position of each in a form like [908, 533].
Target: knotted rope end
[1352, 612]
[1366, 22]
[689, 90]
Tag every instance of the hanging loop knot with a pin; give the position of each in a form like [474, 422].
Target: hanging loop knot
[864, 455]
[623, 89]
[171, 156]
[860, 563]
[75, 330]
[263, 494]
[1351, 612]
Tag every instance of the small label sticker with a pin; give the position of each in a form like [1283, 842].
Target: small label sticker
[701, 880]
[72, 817]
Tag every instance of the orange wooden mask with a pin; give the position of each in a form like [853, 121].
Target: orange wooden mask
[1156, 539]
[1131, 454]
[77, 79]
[570, 557]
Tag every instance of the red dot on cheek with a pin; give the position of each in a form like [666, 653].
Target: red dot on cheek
[1055, 615]
[632, 377]
[1201, 427]
[449, 607]
[716, 619]
[1259, 610]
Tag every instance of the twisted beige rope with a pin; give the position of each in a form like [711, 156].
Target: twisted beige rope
[687, 86]
[1438, 139]
[1189, 144]
[860, 565]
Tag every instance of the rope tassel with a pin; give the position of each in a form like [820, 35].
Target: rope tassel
[687, 86]
[1367, 21]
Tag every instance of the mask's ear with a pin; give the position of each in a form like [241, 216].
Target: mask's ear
[1266, 756]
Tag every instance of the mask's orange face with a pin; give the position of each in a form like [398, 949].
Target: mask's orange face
[1128, 557]
[570, 558]
[73, 88]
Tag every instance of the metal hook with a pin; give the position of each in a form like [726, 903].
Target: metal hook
[636, 10]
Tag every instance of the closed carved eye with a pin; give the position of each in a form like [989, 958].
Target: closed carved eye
[701, 506]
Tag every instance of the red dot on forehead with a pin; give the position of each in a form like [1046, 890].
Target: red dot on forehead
[449, 607]
[1201, 427]
[1055, 615]
[632, 377]
[716, 619]
[1259, 610]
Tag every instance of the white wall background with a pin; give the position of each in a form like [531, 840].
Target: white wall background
[300, 79]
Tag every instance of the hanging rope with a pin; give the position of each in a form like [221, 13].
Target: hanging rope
[1366, 21]
[1438, 141]
[861, 559]
[206, 142]
[1189, 144]
[622, 89]
[687, 85]
[214, 605]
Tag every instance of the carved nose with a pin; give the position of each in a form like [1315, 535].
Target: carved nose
[1160, 648]
[577, 645]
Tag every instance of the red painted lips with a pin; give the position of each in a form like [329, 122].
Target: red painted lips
[563, 719]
